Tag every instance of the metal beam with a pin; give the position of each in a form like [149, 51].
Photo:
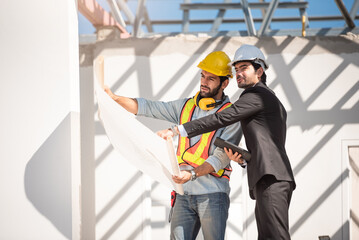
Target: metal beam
[303, 12]
[217, 22]
[98, 16]
[126, 10]
[147, 20]
[252, 5]
[354, 10]
[268, 17]
[185, 21]
[345, 13]
[283, 32]
[304, 19]
[116, 12]
[241, 20]
[139, 17]
[221, 7]
[263, 11]
[248, 18]
[131, 17]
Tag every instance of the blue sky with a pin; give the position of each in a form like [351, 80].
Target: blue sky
[170, 9]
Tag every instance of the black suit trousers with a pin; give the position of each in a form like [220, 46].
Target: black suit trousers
[271, 211]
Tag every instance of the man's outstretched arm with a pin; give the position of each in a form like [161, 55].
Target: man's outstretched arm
[130, 104]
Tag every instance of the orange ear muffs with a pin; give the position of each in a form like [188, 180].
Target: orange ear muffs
[205, 103]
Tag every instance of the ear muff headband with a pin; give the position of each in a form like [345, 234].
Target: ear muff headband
[205, 103]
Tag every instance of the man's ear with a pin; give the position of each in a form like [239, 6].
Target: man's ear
[225, 83]
[260, 72]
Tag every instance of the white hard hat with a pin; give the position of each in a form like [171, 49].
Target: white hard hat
[249, 53]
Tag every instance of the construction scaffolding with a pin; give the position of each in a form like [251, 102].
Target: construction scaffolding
[192, 11]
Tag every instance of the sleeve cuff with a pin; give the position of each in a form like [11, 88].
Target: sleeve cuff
[214, 163]
[141, 106]
[182, 131]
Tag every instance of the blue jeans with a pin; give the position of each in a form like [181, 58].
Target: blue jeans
[191, 212]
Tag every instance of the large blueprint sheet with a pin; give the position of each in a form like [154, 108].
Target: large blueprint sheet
[148, 152]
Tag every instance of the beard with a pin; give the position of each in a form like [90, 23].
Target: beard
[243, 84]
[210, 93]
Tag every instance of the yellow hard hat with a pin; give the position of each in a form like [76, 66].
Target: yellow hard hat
[217, 64]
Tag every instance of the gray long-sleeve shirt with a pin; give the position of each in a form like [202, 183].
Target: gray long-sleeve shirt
[171, 111]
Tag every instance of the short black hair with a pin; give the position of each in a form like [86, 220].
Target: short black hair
[222, 78]
[264, 76]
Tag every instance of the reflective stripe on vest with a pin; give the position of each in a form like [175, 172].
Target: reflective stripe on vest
[197, 154]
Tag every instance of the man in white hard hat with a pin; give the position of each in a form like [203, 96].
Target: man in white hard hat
[205, 169]
[263, 120]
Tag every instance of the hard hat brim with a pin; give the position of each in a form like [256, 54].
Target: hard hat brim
[256, 60]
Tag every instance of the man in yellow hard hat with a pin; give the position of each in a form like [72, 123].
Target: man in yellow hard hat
[205, 169]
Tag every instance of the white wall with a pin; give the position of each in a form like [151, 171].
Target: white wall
[39, 125]
[316, 79]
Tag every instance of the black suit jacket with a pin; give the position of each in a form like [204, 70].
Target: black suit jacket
[263, 120]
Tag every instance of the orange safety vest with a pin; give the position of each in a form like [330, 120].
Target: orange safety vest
[197, 154]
